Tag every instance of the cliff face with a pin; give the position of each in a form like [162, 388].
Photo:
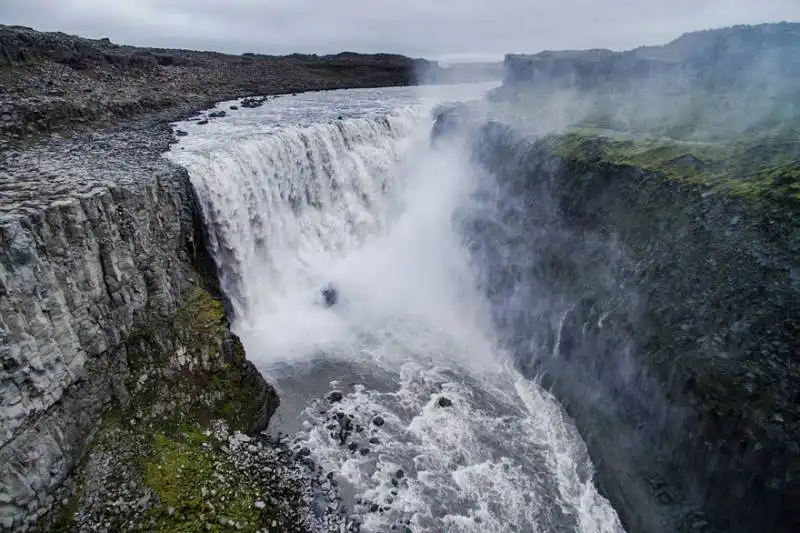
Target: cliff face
[733, 56]
[99, 308]
[664, 316]
[644, 264]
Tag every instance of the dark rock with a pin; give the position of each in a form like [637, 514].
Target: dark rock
[399, 474]
[335, 396]
[202, 122]
[217, 114]
[181, 133]
[353, 446]
[445, 402]
[629, 269]
[234, 108]
[378, 421]
[330, 295]
[364, 451]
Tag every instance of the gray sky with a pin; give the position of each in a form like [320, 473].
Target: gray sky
[431, 28]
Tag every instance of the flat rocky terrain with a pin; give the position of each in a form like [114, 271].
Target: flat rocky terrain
[53, 82]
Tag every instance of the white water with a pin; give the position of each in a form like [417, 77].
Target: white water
[296, 199]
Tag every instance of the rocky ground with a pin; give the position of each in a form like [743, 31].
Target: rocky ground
[143, 477]
[56, 82]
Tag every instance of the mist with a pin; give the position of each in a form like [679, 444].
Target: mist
[609, 229]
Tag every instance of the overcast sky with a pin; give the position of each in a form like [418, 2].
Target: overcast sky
[430, 28]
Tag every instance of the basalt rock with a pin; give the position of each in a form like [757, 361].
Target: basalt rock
[103, 305]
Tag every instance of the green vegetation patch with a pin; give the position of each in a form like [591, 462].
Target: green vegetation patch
[202, 318]
[197, 490]
[763, 166]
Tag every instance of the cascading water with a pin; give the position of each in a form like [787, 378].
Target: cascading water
[431, 428]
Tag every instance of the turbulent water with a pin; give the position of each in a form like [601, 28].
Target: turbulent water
[344, 189]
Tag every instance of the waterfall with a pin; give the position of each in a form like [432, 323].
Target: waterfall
[365, 204]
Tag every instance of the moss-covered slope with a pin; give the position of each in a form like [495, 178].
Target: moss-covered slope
[765, 166]
[663, 296]
[155, 462]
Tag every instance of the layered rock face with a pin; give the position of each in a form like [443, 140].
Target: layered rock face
[98, 310]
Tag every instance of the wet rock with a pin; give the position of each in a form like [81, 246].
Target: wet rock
[330, 295]
[378, 421]
[399, 474]
[445, 402]
[202, 122]
[335, 396]
[217, 114]
[250, 103]
[181, 133]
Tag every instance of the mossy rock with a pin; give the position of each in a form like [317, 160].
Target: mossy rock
[763, 168]
[201, 319]
[183, 471]
[177, 477]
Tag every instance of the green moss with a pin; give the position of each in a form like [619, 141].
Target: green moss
[765, 167]
[194, 494]
[201, 318]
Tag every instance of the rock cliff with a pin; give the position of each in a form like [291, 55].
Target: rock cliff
[104, 304]
[648, 275]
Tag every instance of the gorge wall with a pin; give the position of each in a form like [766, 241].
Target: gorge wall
[105, 304]
[648, 272]
[665, 318]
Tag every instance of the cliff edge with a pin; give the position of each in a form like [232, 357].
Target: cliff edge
[105, 306]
